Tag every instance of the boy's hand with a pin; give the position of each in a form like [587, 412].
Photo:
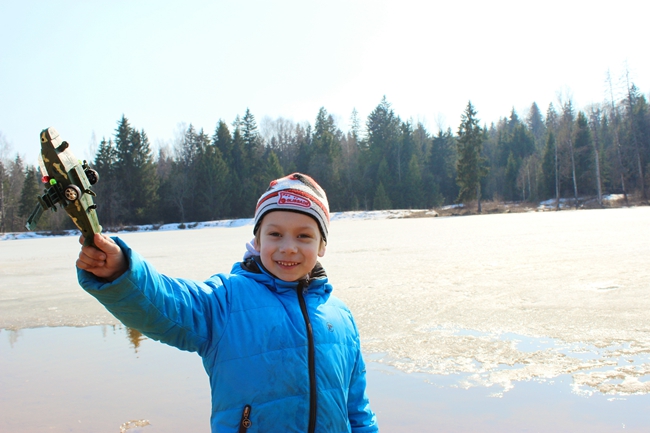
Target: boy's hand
[106, 260]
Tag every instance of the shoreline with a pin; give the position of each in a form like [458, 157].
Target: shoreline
[490, 207]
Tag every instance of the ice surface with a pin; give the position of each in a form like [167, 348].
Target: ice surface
[498, 299]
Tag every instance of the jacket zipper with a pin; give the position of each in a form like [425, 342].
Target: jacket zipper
[245, 422]
[303, 285]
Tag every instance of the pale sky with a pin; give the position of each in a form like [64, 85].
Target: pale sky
[79, 65]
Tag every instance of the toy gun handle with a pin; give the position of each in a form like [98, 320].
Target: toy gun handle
[89, 241]
[34, 217]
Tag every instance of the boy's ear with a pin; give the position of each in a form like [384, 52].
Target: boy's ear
[321, 250]
[256, 243]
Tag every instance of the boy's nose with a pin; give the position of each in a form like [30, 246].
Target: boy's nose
[288, 247]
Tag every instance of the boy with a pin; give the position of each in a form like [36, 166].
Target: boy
[281, 353]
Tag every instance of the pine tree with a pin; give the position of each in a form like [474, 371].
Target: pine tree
[135, 164]
[548, 167]
[512, 167]
[108, 189]
[212, 174]
[440, 172]
[273, 169]
[383, 134]
[470, 167]
[403, 153]
[413, 191]
[325, 157]
[536, 126]
[584, 155]
[515, 145]
[222, 140]
[30, 192]
[14, 184]
[566, 139]
[240, 206]
[254, 183]
[381, 200]
[184, 179]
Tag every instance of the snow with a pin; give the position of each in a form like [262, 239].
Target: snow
[335, 216]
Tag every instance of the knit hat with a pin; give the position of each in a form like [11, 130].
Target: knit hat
[295, 193]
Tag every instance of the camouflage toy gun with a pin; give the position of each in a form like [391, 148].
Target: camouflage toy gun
[67, 183]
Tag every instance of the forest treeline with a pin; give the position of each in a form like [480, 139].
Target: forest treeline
[385, 163]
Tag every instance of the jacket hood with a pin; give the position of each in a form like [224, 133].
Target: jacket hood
[252, 268]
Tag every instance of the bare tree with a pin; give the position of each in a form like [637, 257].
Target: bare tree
[594, 122]
[617, 143]
[631, 101]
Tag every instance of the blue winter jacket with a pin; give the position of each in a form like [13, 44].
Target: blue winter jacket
[281, 356]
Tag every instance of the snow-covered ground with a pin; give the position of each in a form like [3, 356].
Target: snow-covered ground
[565, 203]
[335, 216]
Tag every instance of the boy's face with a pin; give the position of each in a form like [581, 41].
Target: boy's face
[289, 244]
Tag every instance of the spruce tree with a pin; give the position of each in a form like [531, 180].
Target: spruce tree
[383, 134]
[584, 155]
[535, 124]
[14, 187]
[30, 192]
[136, 172]
[413, 191]
[381, 200]
[213, 198]
[108, 189]
[325, 162]
[548, 168]
[440, 173]
[254, 183]
[470, 167]
[240, 205]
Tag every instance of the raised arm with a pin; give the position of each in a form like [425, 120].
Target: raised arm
[182, 313]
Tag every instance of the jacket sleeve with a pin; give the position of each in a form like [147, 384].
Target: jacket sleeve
[182, 313]
[362, 418]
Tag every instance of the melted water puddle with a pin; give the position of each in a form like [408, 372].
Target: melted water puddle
[112, 379]
[99, 379]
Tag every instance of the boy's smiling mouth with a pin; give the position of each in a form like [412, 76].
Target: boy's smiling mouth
[287, 264]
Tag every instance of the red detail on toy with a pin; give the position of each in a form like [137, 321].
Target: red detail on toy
[45, 179]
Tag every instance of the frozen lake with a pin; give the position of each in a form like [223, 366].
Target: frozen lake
[480, 307]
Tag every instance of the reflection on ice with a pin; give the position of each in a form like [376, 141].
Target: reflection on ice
[500, 300]
[475, 358]
[133, 424]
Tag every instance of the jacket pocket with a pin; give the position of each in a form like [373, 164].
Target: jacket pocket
[245, 422]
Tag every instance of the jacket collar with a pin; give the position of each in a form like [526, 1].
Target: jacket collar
[252, 268]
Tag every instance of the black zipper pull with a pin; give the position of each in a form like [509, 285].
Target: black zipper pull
[245, 422]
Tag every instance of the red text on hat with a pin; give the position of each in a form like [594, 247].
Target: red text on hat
[289, 199]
